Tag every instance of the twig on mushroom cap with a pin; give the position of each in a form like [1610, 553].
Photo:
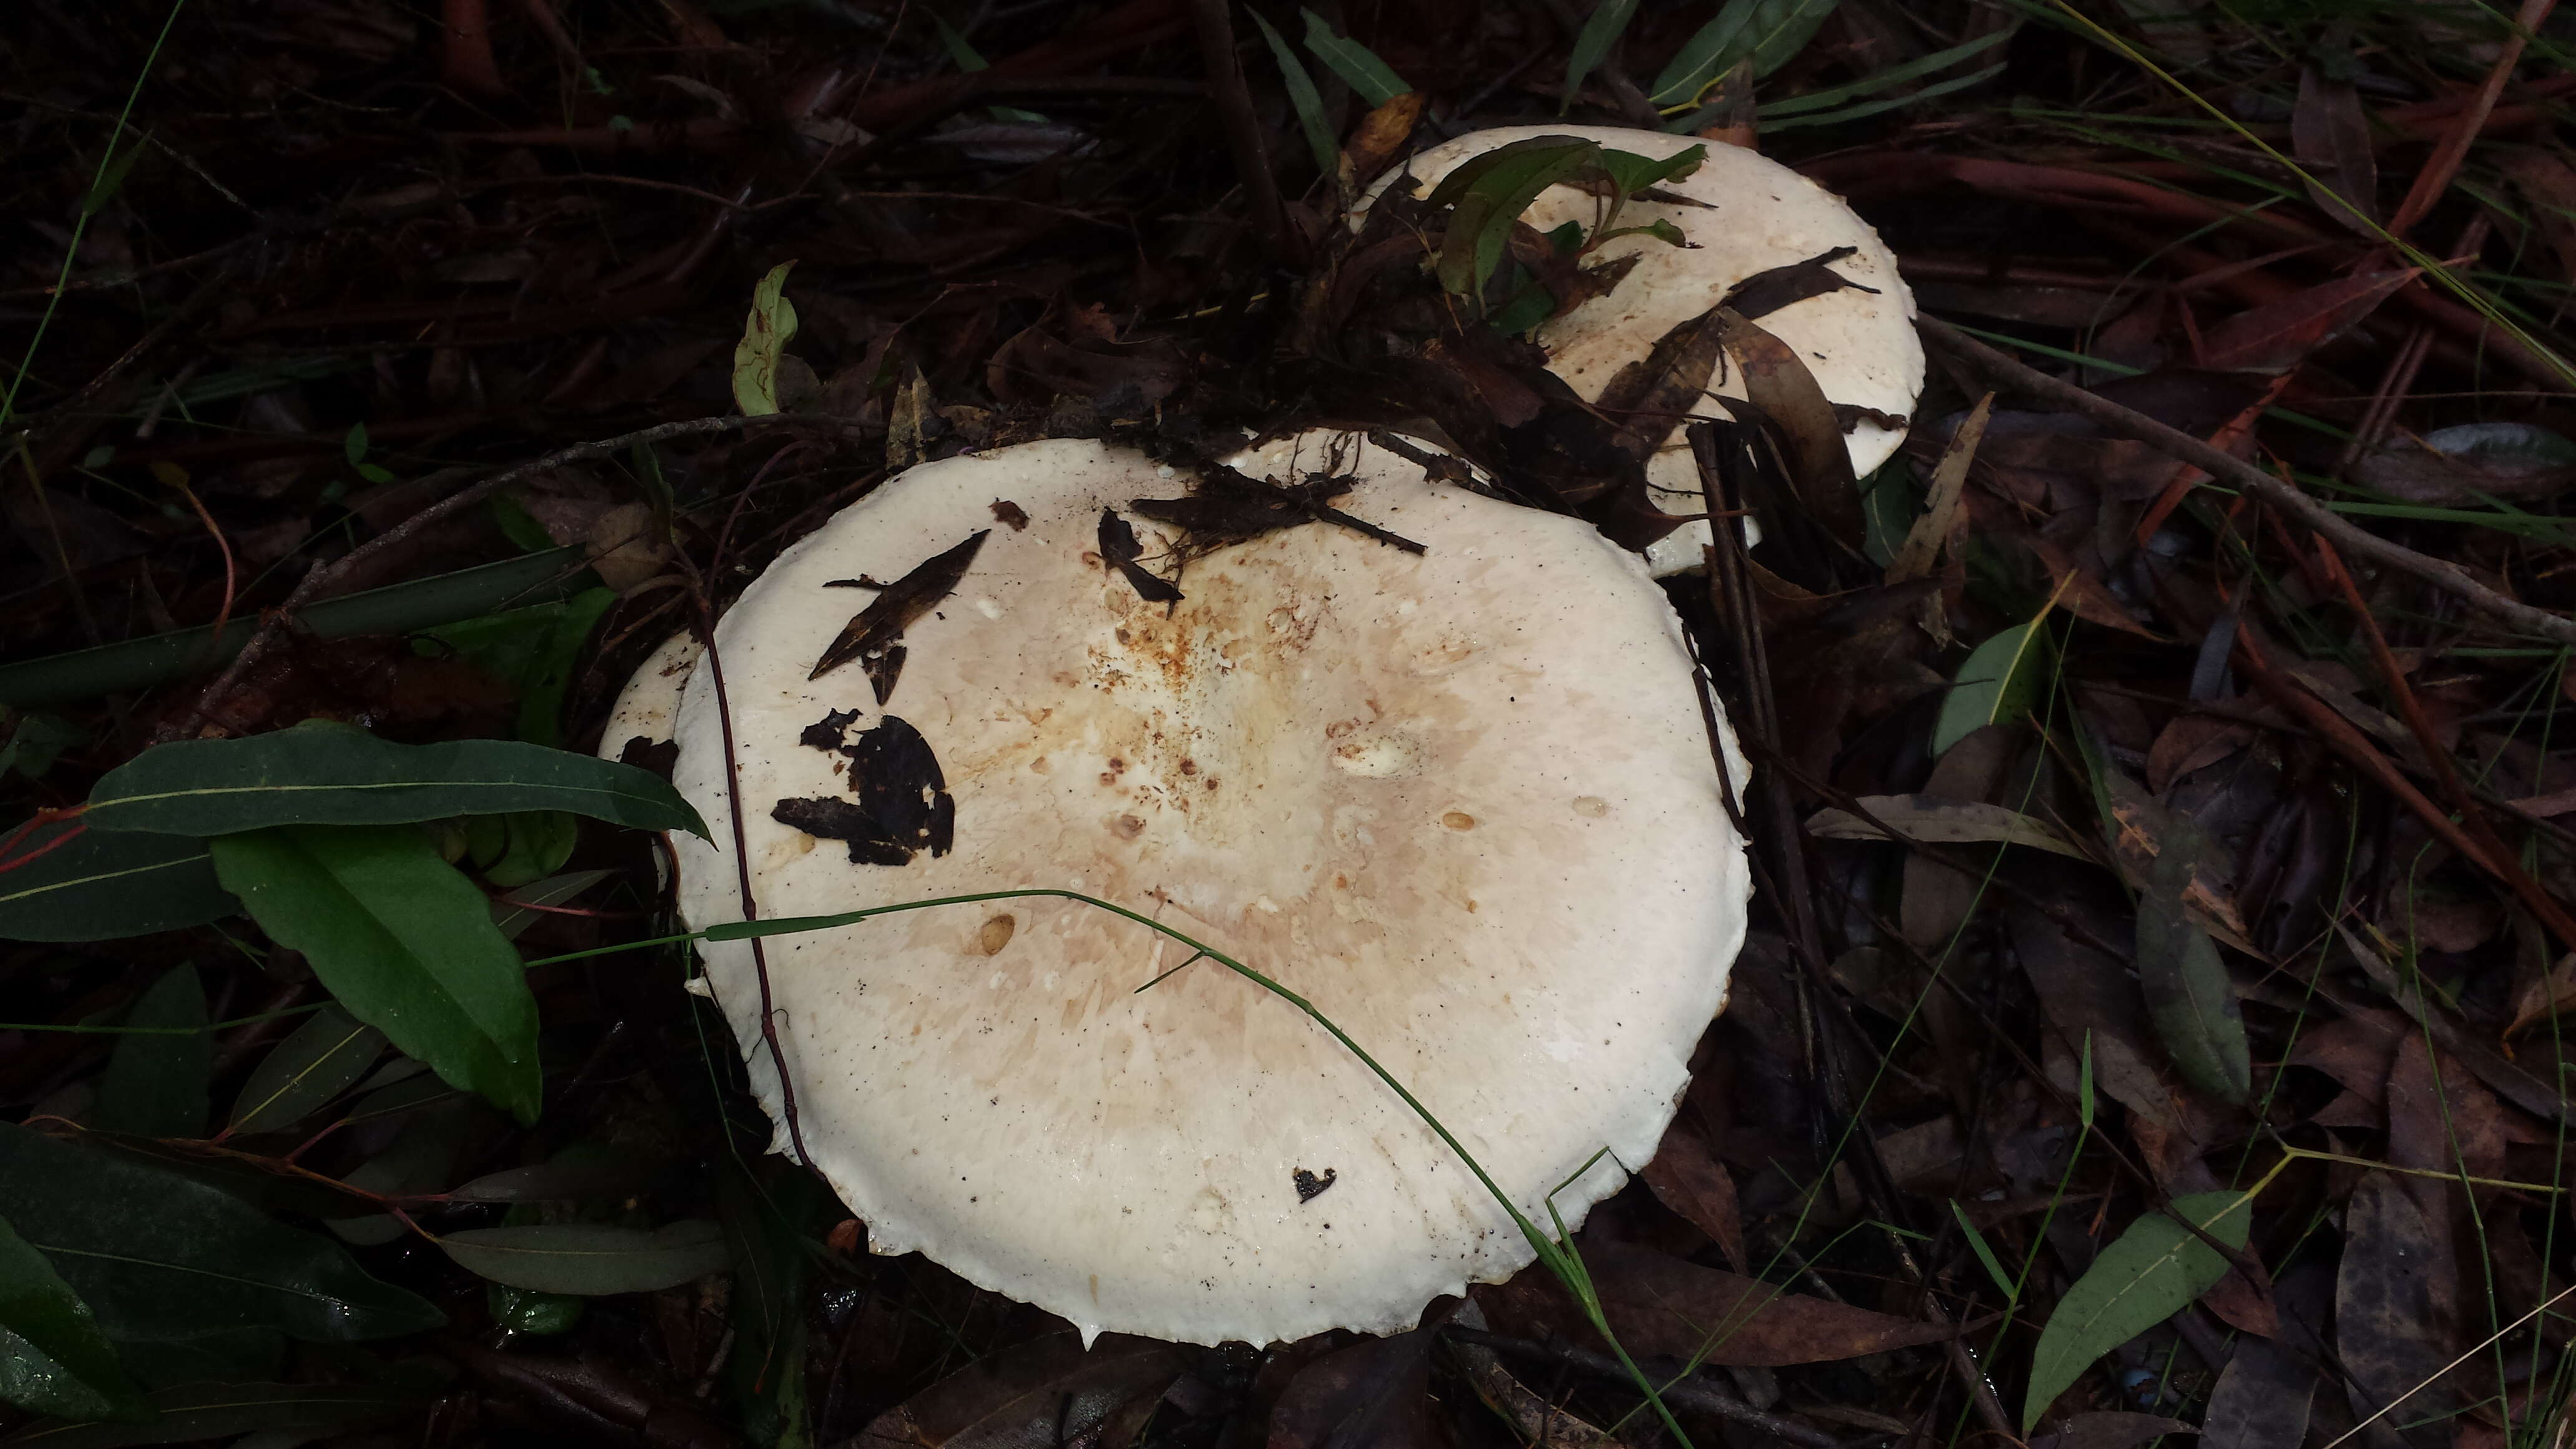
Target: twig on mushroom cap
[2130, 423]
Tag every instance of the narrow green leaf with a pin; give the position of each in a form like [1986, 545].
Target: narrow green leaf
[405, 943]
[1608, 21]
[353, 445]
[1302, 95]
[766, 331]
[2188, 994]
[2153, 1272]
[1997, 683]
[1895, 75]
[100, 885]
[1484, 210]
[156, 1086]
[194, 1412]
[158, 1255]
[517, 911]
[590, 1260]
[1985, 1254]
[325, 773]
[111, 177]
[1703, 57]
[325, 1057]
[53, 1358]
[1889, 103]
[1780, 29]
[1632, 173]
[1356, 64]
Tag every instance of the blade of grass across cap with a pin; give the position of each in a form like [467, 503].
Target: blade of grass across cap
[1356, 64]
[405, 943]
[53, 1358]
[62, 881]
[158, 1255]
[322, 772]
[2152, 1272]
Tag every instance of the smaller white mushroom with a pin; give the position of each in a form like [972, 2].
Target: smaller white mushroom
[1754, 214]
[648, 708]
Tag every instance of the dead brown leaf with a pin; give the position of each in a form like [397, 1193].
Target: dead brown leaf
[1046, 1393]
[1659, 1304]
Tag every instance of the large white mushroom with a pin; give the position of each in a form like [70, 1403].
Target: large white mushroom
[1463, 799]
[1753, 214]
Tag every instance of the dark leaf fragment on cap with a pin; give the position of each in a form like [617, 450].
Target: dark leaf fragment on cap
[1228, 507]
[903, 805]
[1120, 550]
[874, 636]
[1769, 290]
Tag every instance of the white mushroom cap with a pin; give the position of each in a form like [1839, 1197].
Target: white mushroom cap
[649, 706]
[1760, 214]
[1464, 801]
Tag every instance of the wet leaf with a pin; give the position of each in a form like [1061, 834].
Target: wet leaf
[325, 773]
[1120, 550]
[1375, 1392]
[1048, 1390]
[99, 885]
[2330, 133]
[1939, 524]
[591, 1260]
[1998, 682]
[874, 635]
[525, 1310]
[903, 805]
[405, 943]
[766, 331]
[2083, 592]
[1948, 822]
[2110, 1429]
[2396, 1305]
[197, 1412]
[53, 1358]
[1659, 1304]
[2088, 996]
[1357, 65]
[323, 1058]
[1686, 1176]
[158, 1255]
[2278, 336]
[2153, 1271]
[2473, 463]
[2188, 993]
[1778, 383]
[2261, 1400]
[156, 1085]
[1486, 196]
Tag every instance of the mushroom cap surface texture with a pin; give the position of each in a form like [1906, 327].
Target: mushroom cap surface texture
[1465, 801]
[1758, 214]
[648, 708]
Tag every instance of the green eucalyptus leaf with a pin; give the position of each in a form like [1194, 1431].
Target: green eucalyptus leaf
[157, 1079]
[525, 1310]
[53, 1358]
[158, 1255]
[1485, 207]
[323, 1058]
[1302, 97]
[2189, 997]
[194, 1412]
[1997, 683]
[2155, 1270]
[1608, 21]
[325, 773]
[405, 943]
[766, 331]
[1356, 64]
[533, 844]
[591, 1260]
[62, 881]
[517, 911]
